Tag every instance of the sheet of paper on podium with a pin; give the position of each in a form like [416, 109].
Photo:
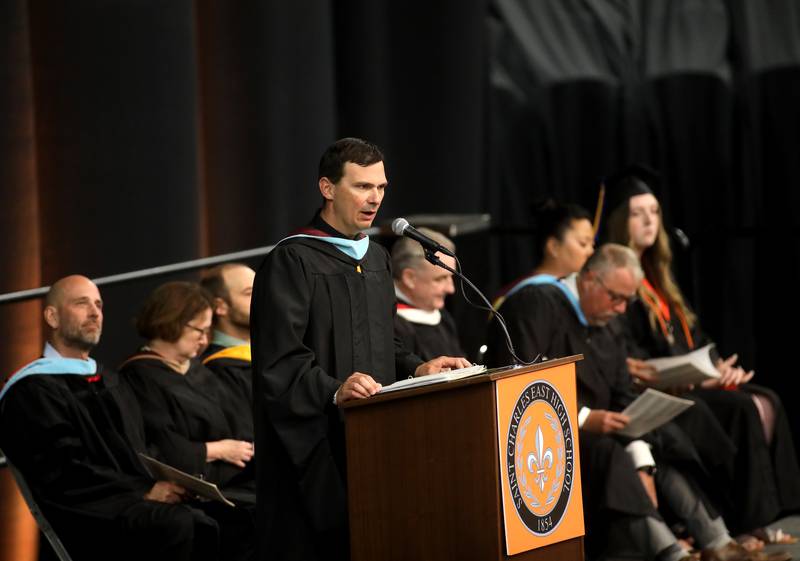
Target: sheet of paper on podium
[434, 378]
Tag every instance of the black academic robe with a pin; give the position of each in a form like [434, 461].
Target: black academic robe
[764, 479]
[184, 411]
[429, 341]
[181, 413]
[317, 316]
[541, 320]
[76, 442]
[236, 376]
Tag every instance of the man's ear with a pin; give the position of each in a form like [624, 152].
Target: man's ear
[409, 278]
[220, 307]
[50, 314]
[326, 188]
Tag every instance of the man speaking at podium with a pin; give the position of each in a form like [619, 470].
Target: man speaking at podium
[322, 334]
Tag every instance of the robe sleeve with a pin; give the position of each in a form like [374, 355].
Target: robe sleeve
[171, 445]
[41, 437]
[406, 362]
[701, 339]
[404, 335]
[294, 389]
[622, 391]
[236, 395]
[636, 329]
[643, 341]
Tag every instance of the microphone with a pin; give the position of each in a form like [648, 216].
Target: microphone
[682, 238]
[401, 227]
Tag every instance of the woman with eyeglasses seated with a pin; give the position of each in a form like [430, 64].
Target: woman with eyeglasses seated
[189, 418]
[766, 477]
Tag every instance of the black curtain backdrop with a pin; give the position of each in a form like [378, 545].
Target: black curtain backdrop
[705, 91]
[137, 133]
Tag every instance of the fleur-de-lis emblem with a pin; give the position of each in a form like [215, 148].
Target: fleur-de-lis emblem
[539, 458]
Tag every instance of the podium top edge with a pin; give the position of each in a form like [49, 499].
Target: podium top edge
[485, 378]
[510, 371]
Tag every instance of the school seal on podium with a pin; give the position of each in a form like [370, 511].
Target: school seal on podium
[540, 457]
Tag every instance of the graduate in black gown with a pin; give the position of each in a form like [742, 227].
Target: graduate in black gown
[322, 334]
[74, 430]
[625, 482]
[189, 414]
[422, 322]
[228, 355]
[765, 480]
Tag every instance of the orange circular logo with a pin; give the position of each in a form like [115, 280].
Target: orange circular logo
[540, 457]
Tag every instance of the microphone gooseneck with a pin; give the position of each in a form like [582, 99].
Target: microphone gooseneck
[401, 227]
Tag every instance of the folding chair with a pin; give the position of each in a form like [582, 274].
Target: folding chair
[41, 521]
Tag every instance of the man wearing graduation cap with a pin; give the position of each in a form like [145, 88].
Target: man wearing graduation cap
[74, 430]
[322, 334]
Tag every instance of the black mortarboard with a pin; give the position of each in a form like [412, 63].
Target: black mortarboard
[635, 179]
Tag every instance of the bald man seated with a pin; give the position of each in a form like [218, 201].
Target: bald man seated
[73, 429]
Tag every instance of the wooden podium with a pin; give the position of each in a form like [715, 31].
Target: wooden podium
[468, 469]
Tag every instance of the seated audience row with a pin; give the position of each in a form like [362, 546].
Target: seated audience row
[80, 451]
[75, 430]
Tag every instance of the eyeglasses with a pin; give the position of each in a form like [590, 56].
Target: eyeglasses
[616, 297]
[203, 332]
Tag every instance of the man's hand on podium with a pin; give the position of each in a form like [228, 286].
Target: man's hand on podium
[357, 386]
[441, 364]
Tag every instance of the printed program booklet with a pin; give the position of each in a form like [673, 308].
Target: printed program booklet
[691, 368]
[201, 488]
[651, 410]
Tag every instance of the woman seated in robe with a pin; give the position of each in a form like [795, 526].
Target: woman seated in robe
[564, 240]
[189, 417]
[660, 323]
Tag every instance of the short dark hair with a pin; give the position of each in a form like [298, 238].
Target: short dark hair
[361, 152]
[213, 280]
[169, 308]
[552, 220]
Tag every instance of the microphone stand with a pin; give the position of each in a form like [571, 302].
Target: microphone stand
[431, 257]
